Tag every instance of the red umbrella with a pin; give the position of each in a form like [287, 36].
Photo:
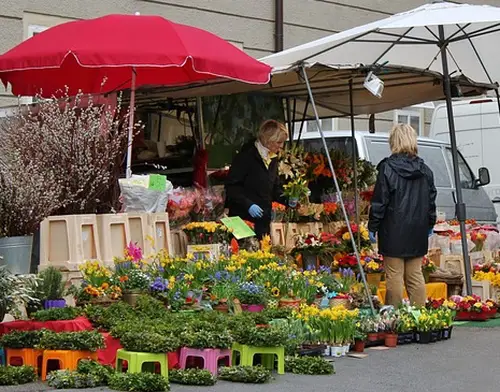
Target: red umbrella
[82, 53]
[125, 51]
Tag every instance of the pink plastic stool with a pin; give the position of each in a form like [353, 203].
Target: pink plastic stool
[211, 357]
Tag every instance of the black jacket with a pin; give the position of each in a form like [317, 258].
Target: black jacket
[251, 182]
[403, 207]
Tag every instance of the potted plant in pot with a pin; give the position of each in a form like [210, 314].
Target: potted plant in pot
[428, 267]
[296, 191]
[374, 270]
[405, 327]
[15, 291]
[221, 294]
[424, 326]
[52, 286]
[252, 297]
[390, 321]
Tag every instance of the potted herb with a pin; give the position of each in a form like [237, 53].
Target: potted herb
[252, 297]
[52, 286]
[74, 341]
[250, 335]
[21, 339]
[14, 291]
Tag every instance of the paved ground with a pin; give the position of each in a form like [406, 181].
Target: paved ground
[468, 362]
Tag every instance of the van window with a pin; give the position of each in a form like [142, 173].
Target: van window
[466, 176]
[432, 155]
[343, 144]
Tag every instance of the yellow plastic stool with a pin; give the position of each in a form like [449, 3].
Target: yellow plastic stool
[247, 353]
[136, 360]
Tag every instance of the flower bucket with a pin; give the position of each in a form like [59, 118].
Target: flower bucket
[391, 340]
[346, 350]
[16, 254]
[56, 303]
[327, 351]
[336, 351]
[359, 346]
[293, 201]
[290, 303]
[424, 337]
[374, 279]
[252, 308]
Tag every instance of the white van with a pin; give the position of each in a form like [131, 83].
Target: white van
[437, 155]
[477, 127]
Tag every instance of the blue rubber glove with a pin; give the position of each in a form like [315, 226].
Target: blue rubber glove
[373, 239]
[255, 211]
[431, 232]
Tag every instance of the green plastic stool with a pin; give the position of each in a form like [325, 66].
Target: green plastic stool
[247, 353]
[136, 360]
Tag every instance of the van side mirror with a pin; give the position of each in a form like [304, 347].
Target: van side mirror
[483, 177]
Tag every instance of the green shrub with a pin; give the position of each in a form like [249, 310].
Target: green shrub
[308, 365]
[21, 339]
[54, 314]
[139, 382]
[17, 375]
[150, 342]
[245, 374]
[82, 340]
[70, 379]
[192, 377]
[102, 373]
[107, 318]
[273, 336]
[52, 285]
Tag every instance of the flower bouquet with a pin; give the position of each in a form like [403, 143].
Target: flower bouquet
[278, 212]
[296, 191]
[179, 207]
[329, 212]
[428, 267]
[478, 238]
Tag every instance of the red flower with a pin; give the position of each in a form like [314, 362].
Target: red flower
[189, 300]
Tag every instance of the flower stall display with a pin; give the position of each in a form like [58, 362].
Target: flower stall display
[206, 239]
[473, 308]
[360, 232]
[181, 202]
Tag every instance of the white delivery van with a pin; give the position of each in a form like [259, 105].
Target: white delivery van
[437, 155]
[477, 128]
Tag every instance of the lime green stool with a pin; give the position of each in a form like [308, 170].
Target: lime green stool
[136, 360]
[247, 353]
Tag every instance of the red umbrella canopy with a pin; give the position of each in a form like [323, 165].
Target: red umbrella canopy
[79, 55]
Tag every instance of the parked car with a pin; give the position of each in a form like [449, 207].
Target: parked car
[436, 154]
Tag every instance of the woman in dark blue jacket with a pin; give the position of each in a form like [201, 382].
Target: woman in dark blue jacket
[402, 213]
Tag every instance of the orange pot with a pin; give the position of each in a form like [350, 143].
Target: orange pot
[391, 340]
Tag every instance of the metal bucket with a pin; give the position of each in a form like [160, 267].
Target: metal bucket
[15, 253]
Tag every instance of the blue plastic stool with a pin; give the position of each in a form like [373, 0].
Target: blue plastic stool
[2, 357]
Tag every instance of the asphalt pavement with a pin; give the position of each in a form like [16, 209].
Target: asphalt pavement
[468, 362]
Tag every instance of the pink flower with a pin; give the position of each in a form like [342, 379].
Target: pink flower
[134, 251]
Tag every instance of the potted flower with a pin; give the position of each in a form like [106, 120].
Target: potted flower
[296, 191]
[405, 327]
[52, 286]
[221, 294]
[424, 326]
[278, 212]
[252, 297]
[428, 267]
[374, 270]
[390, 322]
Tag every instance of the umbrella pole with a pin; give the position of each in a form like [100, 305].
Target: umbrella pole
[346, 217]
[354, 161]
[460, 209]
[131, 125]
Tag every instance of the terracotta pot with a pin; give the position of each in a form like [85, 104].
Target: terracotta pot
[374, 279]
[372, 337]
[391, 339]
[381, 335]
[289, 303]
[223, 308]
[359, 346]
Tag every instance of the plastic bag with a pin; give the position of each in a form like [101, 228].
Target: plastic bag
[440, 241]
[180, 204]
[144, 194]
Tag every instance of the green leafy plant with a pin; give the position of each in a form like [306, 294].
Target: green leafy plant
[82, 340]
[205, 335]
[21, 339]
[245, 374]
[15, 291]
[101, 373]
[139, 382]
[151, 308]
[308, 365]
[70, 379]
[54, 314]
[17, 375]
[150, 342]
[106, 318]
[273, 336]
[52, 284]
[279, 313]
[192, 377]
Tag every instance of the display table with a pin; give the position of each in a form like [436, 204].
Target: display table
[433, 290]
[106, 356]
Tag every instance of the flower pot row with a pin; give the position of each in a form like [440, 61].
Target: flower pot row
[393, 340]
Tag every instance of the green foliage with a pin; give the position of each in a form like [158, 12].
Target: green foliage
[192, 377]
[279, 313]
[274, 336]
[15, 290]
[52, 285]
[100, 372]
[245, 374]
[21, 339]
[139, 382]
[203, 334]
[151, 308]
[106, 318]
[54, 314]
[17, 375]
[82, 340]
[150, 342]
[308, 365]
[70, 379]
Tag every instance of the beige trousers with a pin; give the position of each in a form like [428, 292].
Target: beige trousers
[407, 272]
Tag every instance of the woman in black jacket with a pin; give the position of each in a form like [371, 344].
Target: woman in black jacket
[253, 181]
[403, 213]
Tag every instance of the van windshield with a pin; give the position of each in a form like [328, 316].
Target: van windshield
[432, 155]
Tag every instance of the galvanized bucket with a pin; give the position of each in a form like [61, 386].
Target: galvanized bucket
[15, 254]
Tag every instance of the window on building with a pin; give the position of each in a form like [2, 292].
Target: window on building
[327, 124]
[410, 117]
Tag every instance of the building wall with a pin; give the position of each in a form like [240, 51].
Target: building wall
[248, 24]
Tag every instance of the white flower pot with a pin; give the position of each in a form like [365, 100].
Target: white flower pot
[336, 351]
[327, 351]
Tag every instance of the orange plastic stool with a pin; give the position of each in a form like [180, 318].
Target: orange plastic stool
[29, 356]
[68, 360]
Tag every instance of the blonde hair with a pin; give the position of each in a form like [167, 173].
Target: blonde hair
[403, 140]
[272, 131]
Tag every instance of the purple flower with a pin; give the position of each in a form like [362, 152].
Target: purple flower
[159, 285]
[347, 273]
